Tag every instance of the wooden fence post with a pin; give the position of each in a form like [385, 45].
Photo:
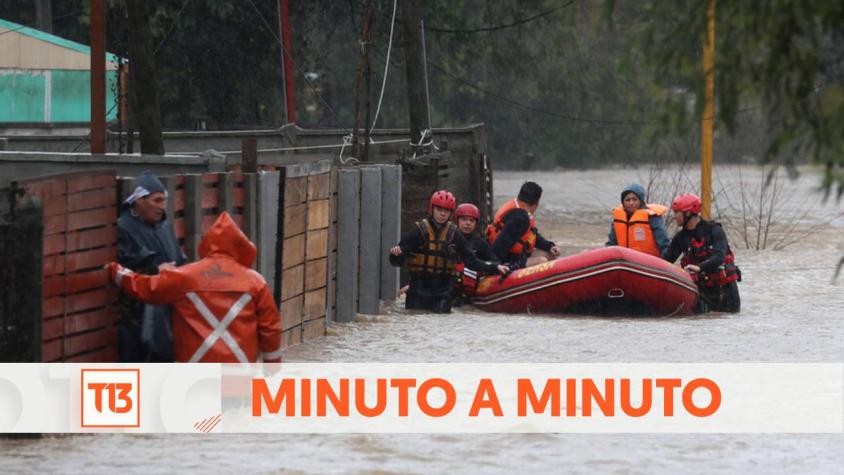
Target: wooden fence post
[250, 206]
[193, 215]
[21, 245]
[226, 187]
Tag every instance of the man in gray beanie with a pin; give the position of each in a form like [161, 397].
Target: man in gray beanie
[146, 243]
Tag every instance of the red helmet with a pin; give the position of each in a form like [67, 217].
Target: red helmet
[688, 203]
[442, 199]
[469, 210]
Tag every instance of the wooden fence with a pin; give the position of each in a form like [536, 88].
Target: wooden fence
[78, 314]
[294, 215]
[304, 263]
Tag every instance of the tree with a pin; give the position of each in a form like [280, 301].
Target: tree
[780, 56]
[144, 83]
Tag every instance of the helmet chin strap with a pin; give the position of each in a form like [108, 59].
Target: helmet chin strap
[686, 217]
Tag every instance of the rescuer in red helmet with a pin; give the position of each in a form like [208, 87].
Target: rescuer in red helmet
[431, 250]
[706, 255]
[467, 216]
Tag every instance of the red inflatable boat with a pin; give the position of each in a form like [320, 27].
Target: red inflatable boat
[606, 281]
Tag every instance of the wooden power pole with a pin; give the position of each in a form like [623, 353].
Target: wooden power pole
[708, 119]
[287, 60]
[415, 61]
[362, 70]
[44, 15]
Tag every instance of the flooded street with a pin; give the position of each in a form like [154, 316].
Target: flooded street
[791, 312]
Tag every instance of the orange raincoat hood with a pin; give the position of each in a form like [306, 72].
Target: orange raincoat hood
[226, 238]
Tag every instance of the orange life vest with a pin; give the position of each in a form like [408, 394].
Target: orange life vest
[635, 232]
[526, 242]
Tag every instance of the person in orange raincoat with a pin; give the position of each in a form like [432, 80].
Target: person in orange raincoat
[223, 311]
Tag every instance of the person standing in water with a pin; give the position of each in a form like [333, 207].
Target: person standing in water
[430, 250]
[706, 256]
[467, 216]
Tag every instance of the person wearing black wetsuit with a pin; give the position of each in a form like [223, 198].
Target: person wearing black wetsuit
[706, 256]
[430, 250]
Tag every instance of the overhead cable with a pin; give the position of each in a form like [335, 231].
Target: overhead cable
[172, 27]
[502, 26]
[299, 69]
[540, 110]
[386, 64]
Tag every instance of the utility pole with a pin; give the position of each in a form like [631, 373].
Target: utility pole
[144, 84]
[415, 61]
[368, 74]
[363, 64]
[287, 60]
[708, 119]
[97, 58]
[44, 15]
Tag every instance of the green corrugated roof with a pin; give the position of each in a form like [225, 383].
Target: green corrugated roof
[56, 40]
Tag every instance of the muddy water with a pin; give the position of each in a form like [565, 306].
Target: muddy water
[791, 312]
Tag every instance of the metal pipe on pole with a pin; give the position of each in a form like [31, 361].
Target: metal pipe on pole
[286, 60]
[425, 68]
[708, 119]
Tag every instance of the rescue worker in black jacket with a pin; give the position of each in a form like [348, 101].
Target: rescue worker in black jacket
[467, 216]
[430, 250]
[706, 256]
[513, 233]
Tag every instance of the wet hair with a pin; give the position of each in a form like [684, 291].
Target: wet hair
[530, 193]
[629, 192]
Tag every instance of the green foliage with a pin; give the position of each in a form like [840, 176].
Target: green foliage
[557, 82]
[783, 57]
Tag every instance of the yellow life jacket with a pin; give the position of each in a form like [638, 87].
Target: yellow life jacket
[433, 255]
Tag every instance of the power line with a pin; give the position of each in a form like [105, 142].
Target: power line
[386, 64]
[172, 27]
[295, 65]
[540, 110]
[502, 26]
[51, 20]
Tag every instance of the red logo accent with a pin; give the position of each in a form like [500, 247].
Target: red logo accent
[110, 397]
[207, 425]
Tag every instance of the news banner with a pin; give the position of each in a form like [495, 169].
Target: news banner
[423, 398]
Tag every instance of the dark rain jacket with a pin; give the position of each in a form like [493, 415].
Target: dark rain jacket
[141, 248]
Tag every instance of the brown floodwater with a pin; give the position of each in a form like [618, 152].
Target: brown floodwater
[791, 312]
